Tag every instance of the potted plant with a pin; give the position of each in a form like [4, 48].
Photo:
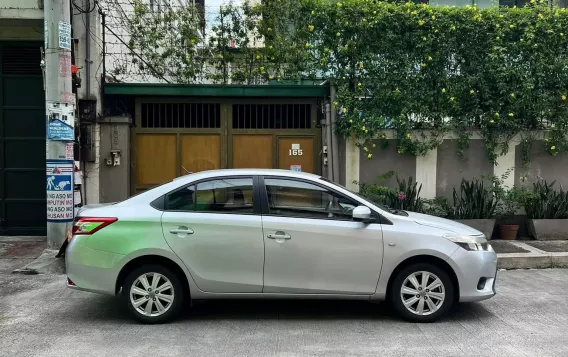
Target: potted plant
[474, 205]
[547, 212]
[511, 200]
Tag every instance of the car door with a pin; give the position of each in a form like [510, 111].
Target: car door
[312, 244]
[215, 227]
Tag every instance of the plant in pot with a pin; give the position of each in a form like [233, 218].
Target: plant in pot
[474, 205]
[547, 212]
[511, 201]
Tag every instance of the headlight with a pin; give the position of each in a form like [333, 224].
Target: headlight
[469, 242]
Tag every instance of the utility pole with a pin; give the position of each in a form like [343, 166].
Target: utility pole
[60, 109]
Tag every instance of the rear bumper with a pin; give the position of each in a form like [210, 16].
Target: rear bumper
[476, 273]
[91, 270]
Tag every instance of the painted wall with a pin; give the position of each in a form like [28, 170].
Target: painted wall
[385, 160]
[451, 169]
[114, 180]
[441, 169]
[542, 165]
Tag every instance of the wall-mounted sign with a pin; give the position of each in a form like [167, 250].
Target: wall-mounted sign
[69, 150]
[64, 35]
[295, 150]
[59, 180]
[45, 34]
[297, 168]
[60, 121]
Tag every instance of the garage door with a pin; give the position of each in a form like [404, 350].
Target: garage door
[22, 141]
[174, 136]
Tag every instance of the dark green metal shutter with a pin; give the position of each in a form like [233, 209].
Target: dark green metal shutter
[22, 140]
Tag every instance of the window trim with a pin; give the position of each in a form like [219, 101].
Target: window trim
[266, 208]
[256, 204]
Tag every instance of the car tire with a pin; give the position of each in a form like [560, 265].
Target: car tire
[425, 302]
[163, 296]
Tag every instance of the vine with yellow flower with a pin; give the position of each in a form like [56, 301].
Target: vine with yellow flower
[412, 72]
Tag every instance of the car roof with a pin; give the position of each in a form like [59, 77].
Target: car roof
[156, 192]
[235, 172]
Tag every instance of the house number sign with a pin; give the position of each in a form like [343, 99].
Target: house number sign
[295, 150]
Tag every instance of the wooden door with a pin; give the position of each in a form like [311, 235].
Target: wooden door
[252, 151]
[200, 152]
[155, 159]
[296, 153]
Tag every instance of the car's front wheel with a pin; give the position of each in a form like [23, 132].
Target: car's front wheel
[153, 294]
[422, 292]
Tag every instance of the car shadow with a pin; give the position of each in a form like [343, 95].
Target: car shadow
[107, 309]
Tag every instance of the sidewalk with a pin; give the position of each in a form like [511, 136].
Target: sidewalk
[16, 252]
[531, 254]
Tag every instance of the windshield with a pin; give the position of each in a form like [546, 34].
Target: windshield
[378, 204]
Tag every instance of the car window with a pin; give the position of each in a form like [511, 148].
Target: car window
[226, 195]
[182, 200]
[292, 198]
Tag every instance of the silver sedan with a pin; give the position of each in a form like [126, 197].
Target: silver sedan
[273, 234]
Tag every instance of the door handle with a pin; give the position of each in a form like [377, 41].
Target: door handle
[279, 235]
[181, 230]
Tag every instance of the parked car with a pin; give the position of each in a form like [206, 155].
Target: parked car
[273, 233]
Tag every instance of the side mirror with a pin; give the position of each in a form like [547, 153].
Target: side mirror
[361, 213]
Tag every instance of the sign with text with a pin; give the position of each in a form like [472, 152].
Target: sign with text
[60, 121]
[64, 35]
[59, 180]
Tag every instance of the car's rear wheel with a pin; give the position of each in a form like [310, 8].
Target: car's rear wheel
[422, 292]
[153, 294]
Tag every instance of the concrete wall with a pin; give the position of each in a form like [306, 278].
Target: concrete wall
[441, 169]
[451, 169]
[542, 165]
[21, 9]
[385, 160]
[114, 180]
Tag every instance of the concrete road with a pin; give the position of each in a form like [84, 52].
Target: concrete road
[528, 317]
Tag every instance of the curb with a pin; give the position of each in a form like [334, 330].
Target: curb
[46, 263]
[535, 259]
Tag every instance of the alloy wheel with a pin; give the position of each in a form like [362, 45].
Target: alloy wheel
[152, 294]
[422, 293]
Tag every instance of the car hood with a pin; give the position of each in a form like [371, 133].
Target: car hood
[443, 223]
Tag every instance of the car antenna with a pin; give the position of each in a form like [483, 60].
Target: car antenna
[186, 170]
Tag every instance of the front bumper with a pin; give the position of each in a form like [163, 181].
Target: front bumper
[476, 272]
[90, 269]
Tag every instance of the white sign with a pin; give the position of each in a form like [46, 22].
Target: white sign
[45, 34]
[69, 150]
[59, 180]
[297, 168]
[295, 151]
[64, 35]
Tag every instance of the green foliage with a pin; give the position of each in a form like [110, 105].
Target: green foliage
[474, 201]
[423, 71]
[420, 71]
[405, 196]
[545, 202]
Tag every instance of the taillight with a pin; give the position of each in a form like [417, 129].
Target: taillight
[90, 225]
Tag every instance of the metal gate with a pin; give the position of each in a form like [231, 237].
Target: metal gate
[22, 140]
[175, 135]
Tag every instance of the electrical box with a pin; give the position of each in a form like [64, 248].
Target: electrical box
[87, 111]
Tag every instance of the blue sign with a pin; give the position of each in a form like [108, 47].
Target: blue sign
[59, 187]
[58, 130]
